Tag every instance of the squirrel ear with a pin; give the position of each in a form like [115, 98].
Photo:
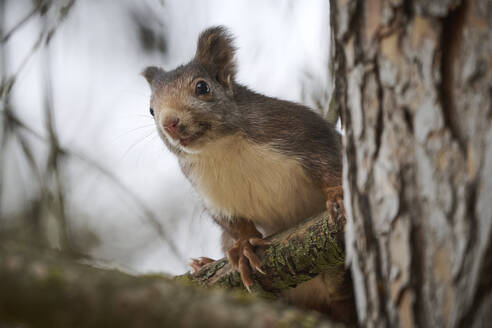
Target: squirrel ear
[215, 52]
[150, 73]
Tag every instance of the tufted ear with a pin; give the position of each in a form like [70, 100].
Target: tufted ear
[150, 73]
[215, 52]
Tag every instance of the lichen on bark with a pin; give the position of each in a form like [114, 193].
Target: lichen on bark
[295, 256]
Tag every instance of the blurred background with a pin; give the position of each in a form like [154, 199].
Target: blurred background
[82, 168]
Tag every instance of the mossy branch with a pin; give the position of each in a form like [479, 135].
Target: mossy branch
[295, 256]
[43, 289]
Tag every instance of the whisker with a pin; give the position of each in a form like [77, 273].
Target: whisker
[136, 143]
[148, 116]
[146, 141]
[136, 129]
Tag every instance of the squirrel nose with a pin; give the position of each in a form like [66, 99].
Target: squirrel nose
[171, 123]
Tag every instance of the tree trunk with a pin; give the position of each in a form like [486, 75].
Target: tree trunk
[414, 85]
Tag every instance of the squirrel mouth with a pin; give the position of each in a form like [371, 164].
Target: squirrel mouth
[186, 141]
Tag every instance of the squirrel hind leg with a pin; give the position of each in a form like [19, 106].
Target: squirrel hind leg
[334, 204]
[197, 264]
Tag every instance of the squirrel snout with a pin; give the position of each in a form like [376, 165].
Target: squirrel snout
[171, 123]
[174, 127]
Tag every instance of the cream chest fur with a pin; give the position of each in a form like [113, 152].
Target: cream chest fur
[238, 178]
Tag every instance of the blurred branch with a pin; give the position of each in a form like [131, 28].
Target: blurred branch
[295, 256]
[323, 96]
[54, 163]
[35, 9]
[148, 215]
[150, 27]
[53, 13]
[46, 290]
[332, 115]
[7, 82]
[3, 102]
[337, 69]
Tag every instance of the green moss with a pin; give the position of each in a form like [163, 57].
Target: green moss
[186, 279]
[55, 276]
[156, 276]
[295, 318]
[299, 257]
[244, 297]
[183, 277]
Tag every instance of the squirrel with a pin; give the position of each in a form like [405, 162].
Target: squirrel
[261, 164]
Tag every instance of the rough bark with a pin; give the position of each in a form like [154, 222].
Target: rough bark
[414, 82]
[295, 256]
[42, 289]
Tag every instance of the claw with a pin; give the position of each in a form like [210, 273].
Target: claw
[257, 268]
[243, 259]
[254, 261]
[245, 272]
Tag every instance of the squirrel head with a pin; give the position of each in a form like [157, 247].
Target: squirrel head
[193, 104]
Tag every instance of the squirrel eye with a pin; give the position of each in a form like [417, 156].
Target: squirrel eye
[202, 88]
[151, 111]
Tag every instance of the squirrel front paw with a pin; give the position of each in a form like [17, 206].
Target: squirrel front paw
[243, 258]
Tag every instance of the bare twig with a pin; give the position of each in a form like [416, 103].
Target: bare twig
[35, 9]
[12, 124]
[148, 215]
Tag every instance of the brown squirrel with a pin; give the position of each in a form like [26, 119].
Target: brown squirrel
[261, 164]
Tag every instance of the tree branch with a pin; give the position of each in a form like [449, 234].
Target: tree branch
[43, 289]
[296, 255]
